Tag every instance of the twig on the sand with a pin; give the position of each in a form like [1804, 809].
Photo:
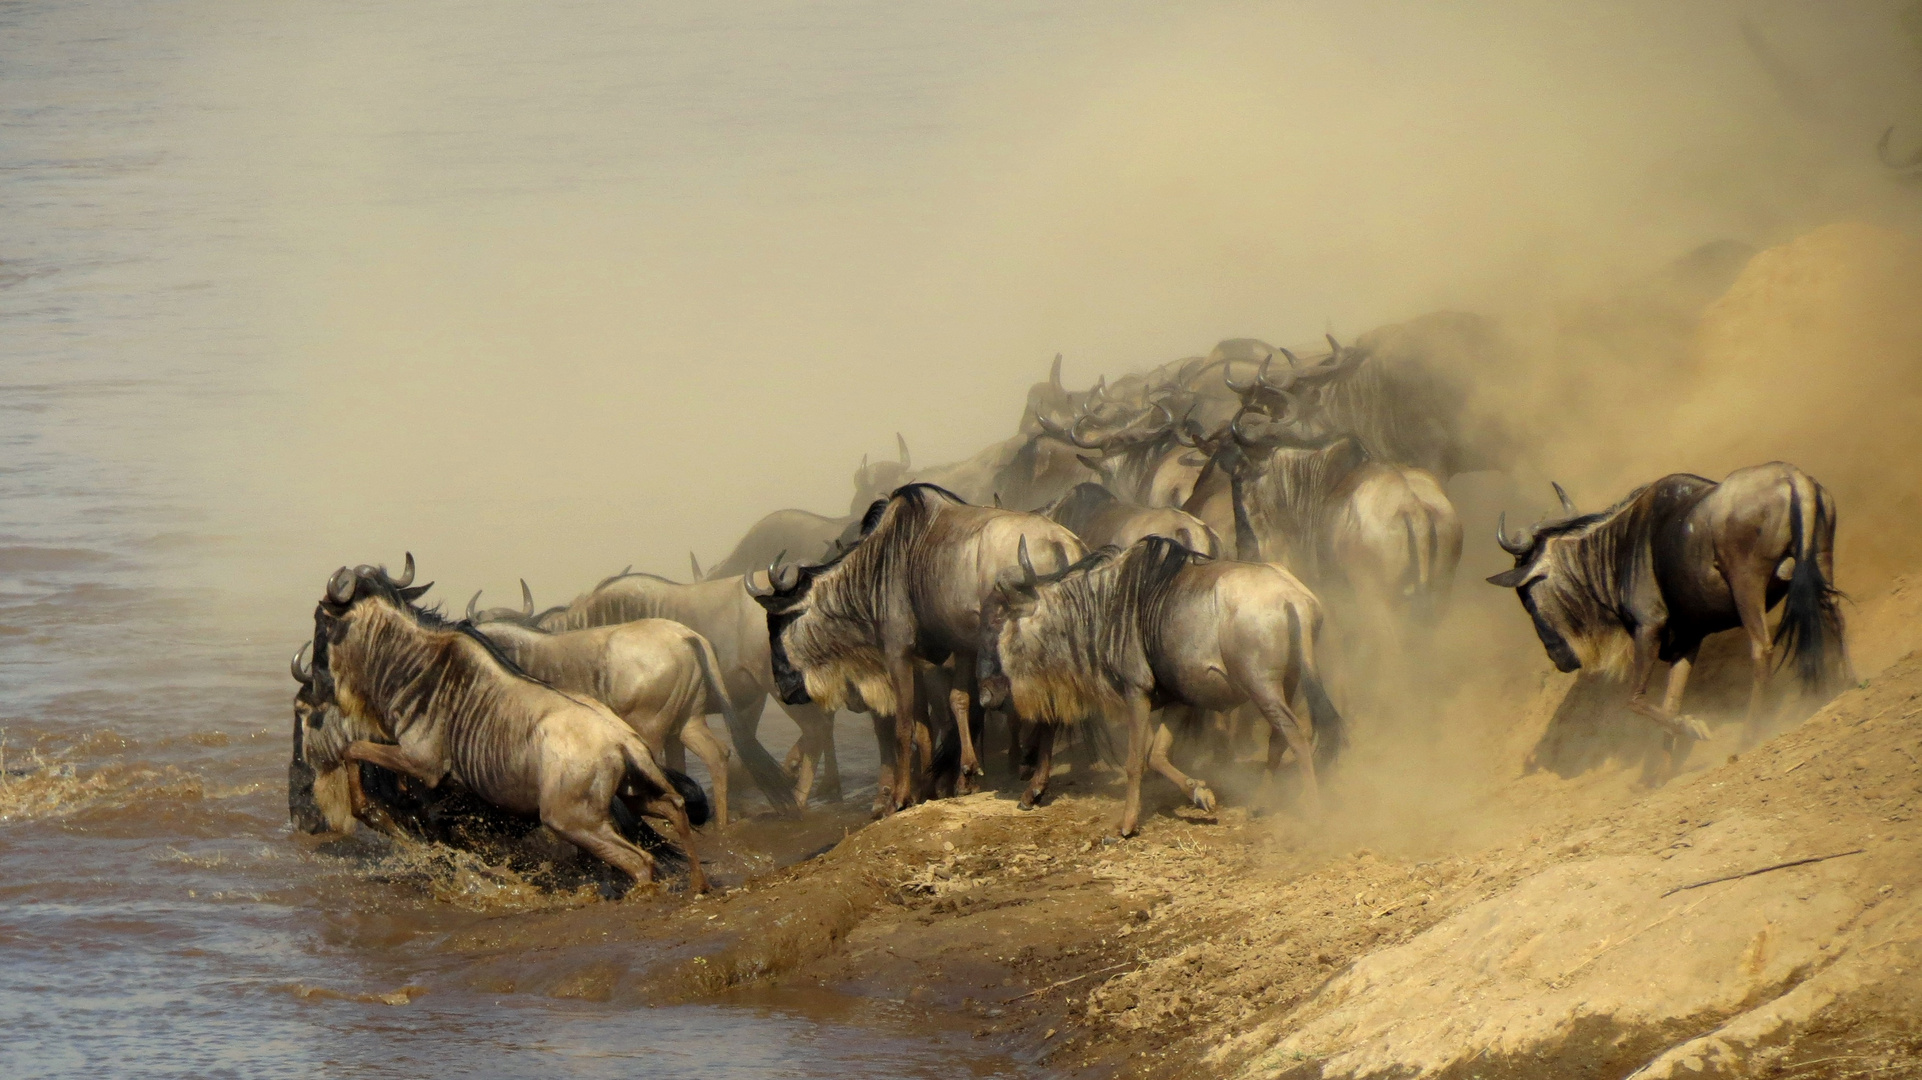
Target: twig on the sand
[1064, 982]
[1763, 870]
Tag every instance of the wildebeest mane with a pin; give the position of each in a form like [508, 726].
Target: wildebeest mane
[1287, 492]
[1099, 612]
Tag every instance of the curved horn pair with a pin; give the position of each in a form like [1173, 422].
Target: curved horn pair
[303, 673]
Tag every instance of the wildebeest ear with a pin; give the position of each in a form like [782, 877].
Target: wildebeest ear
[1508, 579]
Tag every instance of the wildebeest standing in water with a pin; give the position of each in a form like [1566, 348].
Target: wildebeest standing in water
[909, 592]
[454, 707]
[656, 674]
[1122, 632]
[1679, 560]
[719, 610]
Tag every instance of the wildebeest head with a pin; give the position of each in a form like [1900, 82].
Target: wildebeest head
[809, 642]
[1544, 582]
[1013, 599]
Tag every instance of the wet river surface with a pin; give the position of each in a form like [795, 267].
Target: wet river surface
[156, 914]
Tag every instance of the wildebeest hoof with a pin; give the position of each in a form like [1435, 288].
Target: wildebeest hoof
[1693, 728]
[1202, 797]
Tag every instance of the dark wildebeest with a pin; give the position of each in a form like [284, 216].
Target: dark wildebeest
[434, 700]
[1100, 519]
[656, 674]
[909, 592]
[720, 611]
[1679, 560]
[1404, 391]
[1143, 459]
[1123, 632]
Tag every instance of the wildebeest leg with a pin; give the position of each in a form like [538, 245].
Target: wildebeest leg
[700, 739]
[1158, 760]
[1282, 721]
[1641, 670]
[364, 808]
[814, 754]
[960, 702]
[605, 843]
[1044, 765]
[1678, 673]
[906, 715]
[676, 814]
[885, 752]
[1138, 739]
[1750, 596]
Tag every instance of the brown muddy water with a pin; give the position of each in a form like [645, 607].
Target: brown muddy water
[156, 915]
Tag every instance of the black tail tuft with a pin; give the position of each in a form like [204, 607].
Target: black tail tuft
[698, 810]
[1811, 626]
[636, 829]
[1330, 730]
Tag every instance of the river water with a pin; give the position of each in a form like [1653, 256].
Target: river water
[159, 556]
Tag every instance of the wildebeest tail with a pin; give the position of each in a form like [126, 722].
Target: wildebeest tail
[1329, 729]
[1247, 544]
[1811, 626]
[767, 773]
[636, 829]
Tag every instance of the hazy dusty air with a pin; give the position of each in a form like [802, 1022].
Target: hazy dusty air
[551, 293]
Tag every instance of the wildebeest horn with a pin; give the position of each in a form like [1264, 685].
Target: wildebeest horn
[786, 578]
[747, 581]
[1241, 437]
[1333, 345]
[1517, 548]
[1100, 391]
[471, 602]
[1074, 436]
[1568, 504]
[1028, 576]
[406, 577]
[1293, 360]
[341, 587]
[997, 500]
[694, 564]
[1240, 388]
[527, 599]
[906, 461]
[303, 674]
[1054, 373]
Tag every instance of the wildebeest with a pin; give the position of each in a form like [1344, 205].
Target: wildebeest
[800, 533]
[1100, 519]
[1404, 391]
[454, 707]
[909, 591]
[1674, 562]
[1143, 459]
[656, 674]
[720, 610]
[1385, 535]
[1123, 632]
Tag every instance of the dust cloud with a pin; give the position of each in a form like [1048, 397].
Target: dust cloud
[548, 293]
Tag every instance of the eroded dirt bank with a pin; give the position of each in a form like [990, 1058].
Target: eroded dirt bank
[1564, 936]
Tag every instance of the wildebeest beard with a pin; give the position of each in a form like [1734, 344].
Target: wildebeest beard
[1583, 562]
[1088, 642]
[824, 630]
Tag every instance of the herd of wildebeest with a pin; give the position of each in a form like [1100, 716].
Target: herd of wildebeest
[1158, 556]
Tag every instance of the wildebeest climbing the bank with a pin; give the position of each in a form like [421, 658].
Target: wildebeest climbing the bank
[1676, 561]
[434, 700]
[1122, 632]
[656, 674]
